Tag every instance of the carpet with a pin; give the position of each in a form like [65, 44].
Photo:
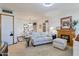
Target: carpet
[19, 49]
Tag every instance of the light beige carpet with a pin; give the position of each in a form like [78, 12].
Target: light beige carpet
[19, 49]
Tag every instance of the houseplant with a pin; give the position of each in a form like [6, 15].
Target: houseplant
[74, 23]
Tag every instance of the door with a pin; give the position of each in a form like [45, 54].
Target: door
[7, 29]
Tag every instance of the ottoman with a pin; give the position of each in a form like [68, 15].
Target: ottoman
[60, 43]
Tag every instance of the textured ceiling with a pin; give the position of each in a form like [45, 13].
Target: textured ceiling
[37, 8]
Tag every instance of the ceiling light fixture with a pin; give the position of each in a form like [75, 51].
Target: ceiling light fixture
[47, 4]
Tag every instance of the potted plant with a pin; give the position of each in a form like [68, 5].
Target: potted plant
[74, 23]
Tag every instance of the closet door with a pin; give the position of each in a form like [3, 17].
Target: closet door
[7, 29]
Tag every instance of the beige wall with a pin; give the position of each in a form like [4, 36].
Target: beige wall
[54, 16]
[20, 20]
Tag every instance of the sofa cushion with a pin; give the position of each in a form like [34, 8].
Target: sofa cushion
[42, 39]
[35, 34]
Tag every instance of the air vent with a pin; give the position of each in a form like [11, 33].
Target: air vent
[7, 11]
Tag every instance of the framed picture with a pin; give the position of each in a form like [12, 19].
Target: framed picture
[66, 22]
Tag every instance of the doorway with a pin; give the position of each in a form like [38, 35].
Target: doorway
[35, 26]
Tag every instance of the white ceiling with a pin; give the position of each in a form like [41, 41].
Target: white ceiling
[37, 8]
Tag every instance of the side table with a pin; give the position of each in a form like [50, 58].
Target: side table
[20, 38]
[54, 36]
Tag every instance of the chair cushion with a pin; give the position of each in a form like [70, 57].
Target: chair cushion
[59, 40]
[60, 43]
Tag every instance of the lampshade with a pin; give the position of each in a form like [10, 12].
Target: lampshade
[53, 30]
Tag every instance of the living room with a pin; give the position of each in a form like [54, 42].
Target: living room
[47, 24]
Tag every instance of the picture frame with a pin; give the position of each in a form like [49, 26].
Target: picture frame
[66, 22]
